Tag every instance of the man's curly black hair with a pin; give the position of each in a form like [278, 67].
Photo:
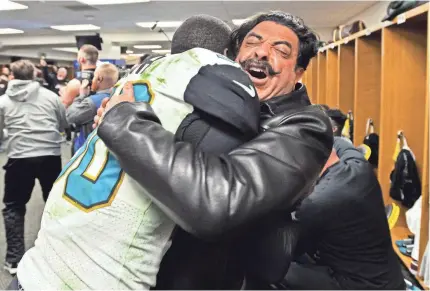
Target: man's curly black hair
[308, 40]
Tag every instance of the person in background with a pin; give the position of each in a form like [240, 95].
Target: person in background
[55, 80]
[38, 77]
[5, 71]
[4, 79]
[3, 85]
[81, 112]
[342, 226]
[337, 119]
[34, 118]
[87, 58]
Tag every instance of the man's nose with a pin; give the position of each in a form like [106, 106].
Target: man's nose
[263, 52]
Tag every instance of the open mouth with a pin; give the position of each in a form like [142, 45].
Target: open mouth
[257, 73]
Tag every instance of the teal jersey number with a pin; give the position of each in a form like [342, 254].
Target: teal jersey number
[94, 182]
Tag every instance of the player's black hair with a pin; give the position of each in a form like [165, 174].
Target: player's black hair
[307, 38]
[338, 119]
[202, 31]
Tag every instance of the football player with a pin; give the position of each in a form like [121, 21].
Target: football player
[99, 229]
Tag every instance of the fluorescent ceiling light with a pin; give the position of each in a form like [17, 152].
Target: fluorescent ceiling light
[161, 51]
[9, 5]
[129, 52]
[75, 27]
[10, 31]
[147, 46]
[111, 2]
[161, 24]
[66, 49]
[238, 21]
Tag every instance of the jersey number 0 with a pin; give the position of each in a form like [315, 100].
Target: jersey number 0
[94, 181]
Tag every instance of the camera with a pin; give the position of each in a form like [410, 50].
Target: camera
[85, 75]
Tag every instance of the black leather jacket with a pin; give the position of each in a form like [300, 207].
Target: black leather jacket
[252, 186]
[208, 195]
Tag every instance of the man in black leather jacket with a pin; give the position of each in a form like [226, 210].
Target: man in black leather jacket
[256, 185]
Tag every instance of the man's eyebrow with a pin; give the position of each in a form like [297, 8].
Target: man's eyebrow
[255, 35]
[287, 43]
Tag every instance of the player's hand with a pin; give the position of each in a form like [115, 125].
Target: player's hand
[126, 96]
[43, 63]
[84, 90]
[70, 92]
[100, 113]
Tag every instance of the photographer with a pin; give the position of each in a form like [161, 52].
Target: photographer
[83, 109]
[4, 79]
[88, 56]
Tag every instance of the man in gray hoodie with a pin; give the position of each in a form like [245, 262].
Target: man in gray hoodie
[34, 118]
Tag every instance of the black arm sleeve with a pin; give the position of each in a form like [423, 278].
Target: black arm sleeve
[52, 82]
[210, 134]
[209, 194]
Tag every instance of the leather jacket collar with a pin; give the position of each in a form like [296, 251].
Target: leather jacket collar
[276, 105]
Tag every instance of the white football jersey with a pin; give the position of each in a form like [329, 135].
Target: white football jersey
[99, 229]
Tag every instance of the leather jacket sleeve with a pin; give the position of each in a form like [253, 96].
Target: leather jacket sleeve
[208, 195]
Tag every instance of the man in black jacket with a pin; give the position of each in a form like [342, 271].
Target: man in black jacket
[209, 195]
[55, 80]
[343, 227]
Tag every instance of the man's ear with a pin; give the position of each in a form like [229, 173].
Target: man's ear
[226, 52]
[299, 74]
[335, 128]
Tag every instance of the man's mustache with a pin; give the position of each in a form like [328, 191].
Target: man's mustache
[264, 65]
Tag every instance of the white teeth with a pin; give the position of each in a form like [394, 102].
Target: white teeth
[256, 69]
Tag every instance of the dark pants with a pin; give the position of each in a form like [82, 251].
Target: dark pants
[68, 134]
[310, 276]
[19, 181]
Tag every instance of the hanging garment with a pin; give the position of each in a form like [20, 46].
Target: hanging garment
[405, 182]
[392, 211]
[413, 221]
[348, 128]
[372, 141]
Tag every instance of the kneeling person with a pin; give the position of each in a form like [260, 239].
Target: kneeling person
[99, 230]
[343, 226]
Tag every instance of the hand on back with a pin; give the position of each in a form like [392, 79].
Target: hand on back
[126, 96]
